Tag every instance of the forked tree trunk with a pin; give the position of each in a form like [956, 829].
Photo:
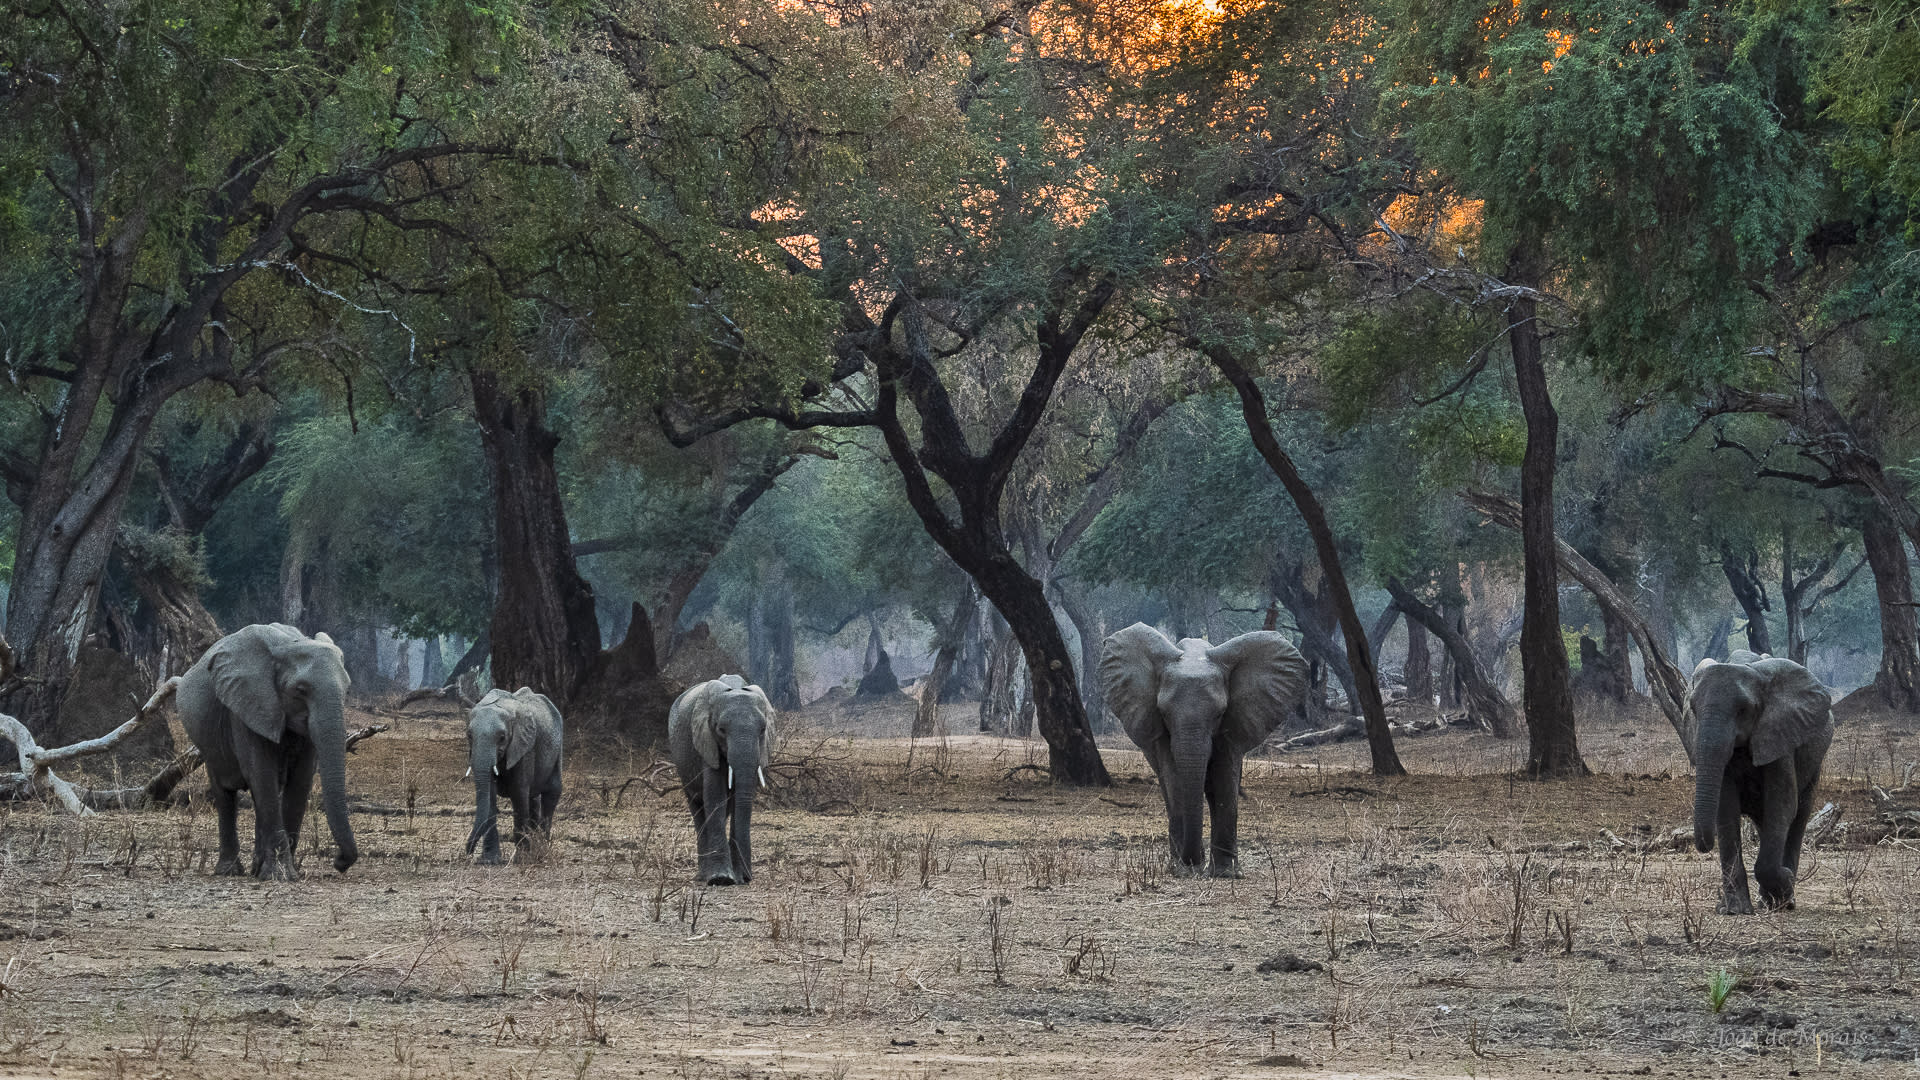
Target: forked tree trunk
[1742, 570]
[952, 638]
[1553, 747]
[1088, 628]
[1898, 682]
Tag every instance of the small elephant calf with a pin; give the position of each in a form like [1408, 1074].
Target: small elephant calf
[718, 733]
[514, 745]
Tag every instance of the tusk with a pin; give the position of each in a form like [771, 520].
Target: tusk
[763, 775]
[469, 772]
[729, 778]
[496, 769]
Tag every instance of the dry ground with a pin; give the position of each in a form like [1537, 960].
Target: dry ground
[946, 920]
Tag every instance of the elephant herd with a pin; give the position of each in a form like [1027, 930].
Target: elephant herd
[266, 708]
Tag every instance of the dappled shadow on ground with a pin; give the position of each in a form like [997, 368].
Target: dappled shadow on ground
[935, 909]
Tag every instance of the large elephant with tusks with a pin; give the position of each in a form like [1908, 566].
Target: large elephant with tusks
[718, 734]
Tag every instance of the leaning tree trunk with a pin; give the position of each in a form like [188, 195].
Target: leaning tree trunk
[770, 638]
[545, 633]
[1485, 703]
[181, 626]
[996, 698]
[1253, 408]
[1318, 622]
[1898, 682]
[1553, 747]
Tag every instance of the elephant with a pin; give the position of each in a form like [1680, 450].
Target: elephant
[265, 706]
[514, 743]
[1761, 727]
[719, 733]
[1195, 710]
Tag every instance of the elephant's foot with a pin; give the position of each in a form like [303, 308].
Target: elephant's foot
[228, 866]
[721, 876]
[1228, 869]
[1176, 868]
[1776, 888]
[1733, 904]
[491, 858]
[277, 870]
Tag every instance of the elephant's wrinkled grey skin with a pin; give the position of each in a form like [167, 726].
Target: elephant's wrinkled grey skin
[718, 734]
[1761, 728]
[1195, 710]
[266, 706]
[514, 745]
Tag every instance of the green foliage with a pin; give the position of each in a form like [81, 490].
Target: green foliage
[1720, 985]
[402, 510]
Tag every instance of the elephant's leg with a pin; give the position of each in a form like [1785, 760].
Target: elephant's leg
[1797, 832]
[490, 844]
[1734, 898]
[226, 806]
[293, 799]
[710, 819]
[272, 856]
[518, 798]
[1779, 807]
[1156, 755]
[1223, 802]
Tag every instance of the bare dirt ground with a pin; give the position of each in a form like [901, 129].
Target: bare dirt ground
[959, 917]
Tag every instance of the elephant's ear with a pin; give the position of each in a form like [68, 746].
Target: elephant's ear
[1130, 663]
[1266, 680]
[1795, 710]
[695, 709]
[544, 704]
[767, 713]
[245, 681]
[523, 724]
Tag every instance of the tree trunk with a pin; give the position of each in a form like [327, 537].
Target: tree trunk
[952, 638]
[1743, 577]
[1719, 644]
[1553, 747]
[1419, 670]
[1485, 703]
[672, 598]
[1453, 682]
[996, 700]
[1253, 408]
[1382, 627]
[544, 632]
[433, 663]
[1898, 682]
[770, 638]
[179, 626]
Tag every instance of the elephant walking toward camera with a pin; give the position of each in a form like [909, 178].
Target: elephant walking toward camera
[266, 707]
[514, 745]
[1761, 730]
[718, 734]
[1195, 710]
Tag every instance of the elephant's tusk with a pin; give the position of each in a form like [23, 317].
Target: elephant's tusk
[763, 775]
[496, 769]
[729, 778]
[469, 773]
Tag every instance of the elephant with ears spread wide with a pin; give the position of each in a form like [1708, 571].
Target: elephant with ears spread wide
[719, 733]
[266, 706]
[514, 745]
[1761, 728]
[1195, 710]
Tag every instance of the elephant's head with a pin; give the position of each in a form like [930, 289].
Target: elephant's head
[1194, 697]
[731, 722]
[276, 679]
[501, 731]
[1766, 706]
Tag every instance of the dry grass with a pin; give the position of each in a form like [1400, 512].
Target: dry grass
[943, 918]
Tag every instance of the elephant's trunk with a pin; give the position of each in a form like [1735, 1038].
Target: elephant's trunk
[1187, 799]
[1714, 750]
[484, 805]
[327, 727]
[743, 755]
